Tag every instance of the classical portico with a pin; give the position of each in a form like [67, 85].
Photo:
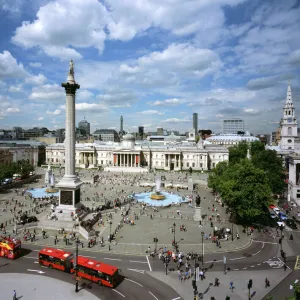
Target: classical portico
[172, 161]
[124, 159]
[88, 159]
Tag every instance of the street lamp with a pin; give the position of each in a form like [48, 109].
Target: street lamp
[110, 222]
[232, 231]
[202, 234]
[174, 225]
[76, 266]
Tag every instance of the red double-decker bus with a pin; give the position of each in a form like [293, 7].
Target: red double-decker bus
[102, 274]
[56, 259]
[10, 247]
[92, 270]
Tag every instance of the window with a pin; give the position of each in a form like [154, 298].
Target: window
[290, 131]
[201, 165]
[298, 193]
[187, 164]
[289, 141]
[290, 148]
[201, 157]
[156, 163]
[52, 159]
[289, 112]
[193, 165]
[101, 162]
[213, 165]
[57, 160]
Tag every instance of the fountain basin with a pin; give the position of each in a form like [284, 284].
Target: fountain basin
[168, 200]
[43, 192]
[157, 196]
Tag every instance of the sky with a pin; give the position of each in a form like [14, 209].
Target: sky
[154, 62]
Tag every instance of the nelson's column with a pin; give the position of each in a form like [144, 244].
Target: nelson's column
[69, 185]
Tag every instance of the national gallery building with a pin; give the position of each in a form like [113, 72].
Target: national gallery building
[131, 155]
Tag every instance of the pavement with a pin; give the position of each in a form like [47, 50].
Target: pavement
[240, 282]
[33, 287]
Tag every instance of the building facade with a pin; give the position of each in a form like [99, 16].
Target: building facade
[233, 126]
[6, 157]
[228, 140]
[31, 151]
[147, 155]
[106, 135]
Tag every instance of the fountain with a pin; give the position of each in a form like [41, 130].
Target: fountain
[52, 189]
[157, 195]
[159, 198]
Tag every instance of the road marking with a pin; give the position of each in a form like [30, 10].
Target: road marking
[258, 264]
[35, 262]
[90, 256]
[112, 258]
[236, 269]
[256, 252]
[141, 262]
[177, 298]
[237, 258]
[265, 242]
[134, 282]
[153, 295]
[252, 266]
[212, 261]
[37, 271]
[36, 250]
[149, 264]
[139, 271]
[30, 257]
[244, 268]
[118, 293]
[297, 264]
[263, 246]
[284, 263]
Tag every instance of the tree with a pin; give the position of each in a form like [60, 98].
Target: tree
[245, 189]
[216, 174]
[238, 152]
[271, 164]
[256, 147]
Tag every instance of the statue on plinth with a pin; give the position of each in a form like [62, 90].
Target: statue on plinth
[71, 70]
[198, 201]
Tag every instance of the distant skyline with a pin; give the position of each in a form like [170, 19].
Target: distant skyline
[154, 62]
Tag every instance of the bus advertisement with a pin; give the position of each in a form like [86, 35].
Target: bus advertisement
[92, 270]
[10, 247]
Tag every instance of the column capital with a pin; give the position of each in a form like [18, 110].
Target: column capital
[70, 87]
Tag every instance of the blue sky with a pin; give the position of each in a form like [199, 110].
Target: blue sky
[154, 62]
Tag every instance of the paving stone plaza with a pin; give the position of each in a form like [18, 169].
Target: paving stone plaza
[149, 223]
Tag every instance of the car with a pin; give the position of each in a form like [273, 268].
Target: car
[7, 181]
[282, 216]
[272, 206]
[279, 224]
[276, 210]
[291, 223]
[273, 216]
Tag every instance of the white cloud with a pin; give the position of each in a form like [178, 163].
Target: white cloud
[61, 25]
[176, 120]
[151, 112]
[9, 67]
[15, 88]
[13, 110]
[116, 97]
[91, 107]
[35, 64]
[167, 102]
[250, 111]
[294, 58]
[36, 80]
[40, 118]
[83, 95]
[47, 92]
[56, 112]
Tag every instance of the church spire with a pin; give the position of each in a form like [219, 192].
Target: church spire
[289, 100]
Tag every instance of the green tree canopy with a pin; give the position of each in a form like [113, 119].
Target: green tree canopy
[245, 189]
[238, 152]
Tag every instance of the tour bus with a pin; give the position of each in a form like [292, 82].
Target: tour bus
[10, 247]
[102, 274]
[55, 259]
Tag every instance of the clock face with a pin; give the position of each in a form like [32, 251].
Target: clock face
[289, 120]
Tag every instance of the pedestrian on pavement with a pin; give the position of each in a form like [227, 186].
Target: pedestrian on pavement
[231, 286]
[267, 282]
[15, 295]
[217, 283]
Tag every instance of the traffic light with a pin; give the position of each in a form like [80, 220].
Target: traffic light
[250, 284]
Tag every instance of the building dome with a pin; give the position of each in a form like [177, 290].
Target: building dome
[128, 137]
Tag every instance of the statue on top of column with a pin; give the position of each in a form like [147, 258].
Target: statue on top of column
[71, 70]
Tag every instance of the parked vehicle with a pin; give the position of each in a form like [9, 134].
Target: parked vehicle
[282, 216]
[7, 181]
[276, 210]
[291, 223]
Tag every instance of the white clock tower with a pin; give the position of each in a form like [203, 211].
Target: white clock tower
[288, 123]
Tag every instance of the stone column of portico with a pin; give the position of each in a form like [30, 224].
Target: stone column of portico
[139, 157]
[126, 160]
[180, 161]
[133, 160]
[166, 160]
[94, 159]
[169, 161]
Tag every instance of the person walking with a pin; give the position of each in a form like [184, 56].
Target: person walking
[15, 295]
[231, 286]
[267, 282]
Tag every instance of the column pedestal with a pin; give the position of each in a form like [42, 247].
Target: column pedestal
[197, 215]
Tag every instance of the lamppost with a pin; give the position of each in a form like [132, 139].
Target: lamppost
[202, 234]
[110, 222]
[76, 266]
[232, 231]
[174, 225]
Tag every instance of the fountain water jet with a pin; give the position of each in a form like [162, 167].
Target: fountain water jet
[157, 195]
